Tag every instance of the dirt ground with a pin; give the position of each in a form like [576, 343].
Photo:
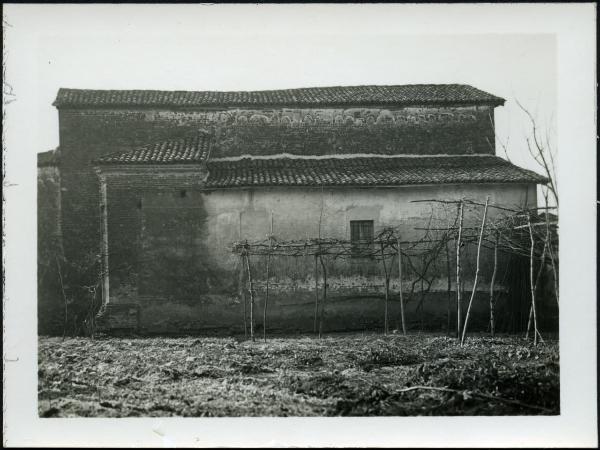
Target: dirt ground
[356, 375]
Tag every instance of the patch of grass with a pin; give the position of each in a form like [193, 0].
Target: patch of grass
[376, 357]
[251, 368]
[321, 386]
[309, 361]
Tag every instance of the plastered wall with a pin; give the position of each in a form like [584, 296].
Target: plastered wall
[170, 251]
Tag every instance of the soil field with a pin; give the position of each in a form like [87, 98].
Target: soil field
[350, 374]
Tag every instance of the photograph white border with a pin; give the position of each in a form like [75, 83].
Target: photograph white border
[574, 26]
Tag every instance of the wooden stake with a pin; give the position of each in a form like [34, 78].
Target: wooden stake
[104, 239]
[529, 319]
[251, 297]
[387, 292]
[449, 276]
[324, 296]
[243, 295]
[316, 294]
[267, 284]
[551, 252]
[422, 303]
[400, 288]
[492, 282]
[458, 285]
[532, 281]
[387, 296]
[535, 283]
[474, 290]
[324, 271]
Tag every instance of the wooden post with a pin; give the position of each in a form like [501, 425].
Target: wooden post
[324, 271]
[422, 302]
[537, 279]
[104, 237]
[267, 284]
[251, 290]
[529, 319]
[316, 294]
[449, 276]
[532, 281]
[550, 251]
[492, 283]
[243, 296]
[552, 261]
[385, 312]
[324, 296]
[458, 282]
[387, 292]
[400, 288]
[474, 290]
[242, 292]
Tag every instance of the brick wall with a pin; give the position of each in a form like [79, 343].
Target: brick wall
[129, 214]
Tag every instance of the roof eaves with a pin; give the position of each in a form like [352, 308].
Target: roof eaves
[142, 168]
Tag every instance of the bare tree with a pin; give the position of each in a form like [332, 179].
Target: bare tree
[543, 153]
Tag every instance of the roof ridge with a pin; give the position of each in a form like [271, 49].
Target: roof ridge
[397, 94]
[341, 86]
[349, 156]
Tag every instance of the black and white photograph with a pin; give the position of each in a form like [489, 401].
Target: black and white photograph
[260, 212]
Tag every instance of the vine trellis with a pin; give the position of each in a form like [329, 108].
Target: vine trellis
[515, 231]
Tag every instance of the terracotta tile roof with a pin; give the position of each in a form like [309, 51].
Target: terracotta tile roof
[191, 149]
[367, 171]
[339, 170]
[402, 95]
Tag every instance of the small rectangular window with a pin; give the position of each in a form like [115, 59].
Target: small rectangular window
[361, 237]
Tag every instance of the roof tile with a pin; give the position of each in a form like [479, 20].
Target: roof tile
[400, 95]
[372, 170]
[191, 149]
[339, 170]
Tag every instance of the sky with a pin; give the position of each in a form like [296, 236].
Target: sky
[202, 47]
